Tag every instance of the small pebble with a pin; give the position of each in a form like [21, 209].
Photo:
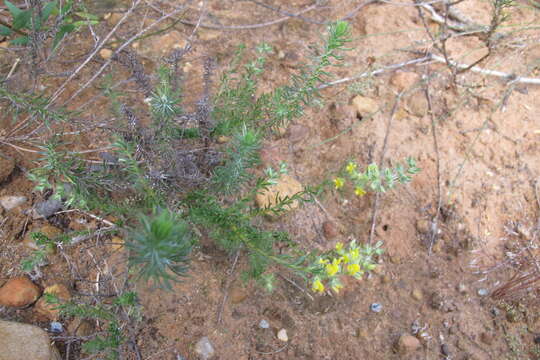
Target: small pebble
[483, 292]
[407, 344]
[204, 348]
[56, 327]
[486, 338]
[462, 288]
[417, 294]
[330, 230]
[282, 335]
[263, 324]
[105, 53]
[376, 307]
[445, 350]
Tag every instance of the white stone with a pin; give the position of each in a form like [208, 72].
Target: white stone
[282, 335]
[11, 202]
[204, 348]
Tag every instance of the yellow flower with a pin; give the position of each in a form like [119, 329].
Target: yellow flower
[345, 258]
[339, 246]
[351, 167]
[323, 261]
[337, 287]
[318, 286]
[359, 191]
[339, 182]
[353, 269]
[333, 268]
[355, 254]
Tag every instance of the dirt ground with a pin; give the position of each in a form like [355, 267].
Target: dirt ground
[479, 170]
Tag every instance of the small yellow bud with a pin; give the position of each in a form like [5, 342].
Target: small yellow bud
[353, 269]
[318, 286]
[359, 191]
[339, 182]
[332, 269]
[351, 167]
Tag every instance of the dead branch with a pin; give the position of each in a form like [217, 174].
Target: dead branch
[509, 77]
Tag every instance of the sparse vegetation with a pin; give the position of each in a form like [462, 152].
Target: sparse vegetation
[158, 169]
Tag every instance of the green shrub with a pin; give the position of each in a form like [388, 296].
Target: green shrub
[160, 247]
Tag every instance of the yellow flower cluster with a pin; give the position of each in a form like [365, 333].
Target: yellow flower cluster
[339, 182]
[318, 286]
[341, 261]
[351, 170]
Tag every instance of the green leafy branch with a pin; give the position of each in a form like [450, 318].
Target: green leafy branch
[375, 180]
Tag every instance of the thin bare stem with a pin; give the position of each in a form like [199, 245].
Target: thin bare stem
[510, 77]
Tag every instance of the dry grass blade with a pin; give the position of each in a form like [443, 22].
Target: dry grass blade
[518, 286]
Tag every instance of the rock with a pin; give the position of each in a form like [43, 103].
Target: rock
[48, 207]
[7, 165]
[364, 105]
[56, 327]
[47, 310]
[298, 133]
[187, 67]
[22, 341]
[417, 104]
[19, 292]
[417, 294]
[263, 324]
[407, 344]
[330, 230]
[222, 139]
[282, 335]
[363, 334]
[106, 53]
[375, 307]
[80, 327]
[48, 230]
[486, 338]
[404, 80]
[117, 243]
[437, 247]
[445, 350]
[285, 186]
[113, 18]
[11, 202]
[483, 292]
[437, 301]
[423, 226]
[238, 295]
[204, 348]
[462, 288]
